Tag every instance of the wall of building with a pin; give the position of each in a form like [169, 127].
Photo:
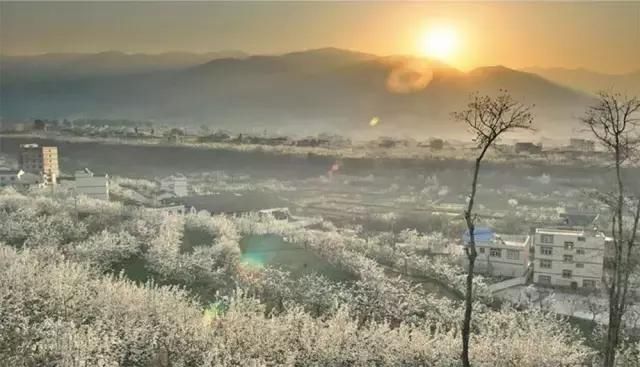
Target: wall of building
[500, 260]
[96, 187]
[40, 160]
[50, 162]
[558, 252]
[20, 179]
[176, 185]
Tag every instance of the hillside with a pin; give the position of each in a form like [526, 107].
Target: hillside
[73, 65]
[591, 81]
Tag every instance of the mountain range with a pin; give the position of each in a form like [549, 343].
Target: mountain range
[322, 90]
[591, 81]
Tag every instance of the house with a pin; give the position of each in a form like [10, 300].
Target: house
[13, 127]
[8, 177]
[20, 179]
[88, 184]
[436, 144]
[277, 213]
[175, 185]
[528, 147]
[583, 145]
[175, 209]
[569, 257]
[499, 255]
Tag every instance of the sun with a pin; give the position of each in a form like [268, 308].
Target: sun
[439, 43]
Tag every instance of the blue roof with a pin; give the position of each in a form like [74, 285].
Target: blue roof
[480, 234]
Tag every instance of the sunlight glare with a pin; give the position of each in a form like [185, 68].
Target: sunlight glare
[439, 42]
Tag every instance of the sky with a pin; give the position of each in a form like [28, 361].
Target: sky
[603, 37]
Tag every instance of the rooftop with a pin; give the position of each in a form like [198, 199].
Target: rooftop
[576, 218]
[480, 235]
[568, 231]
[514, 240]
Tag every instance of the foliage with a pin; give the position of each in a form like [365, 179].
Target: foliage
[60, 313]
[63, 301]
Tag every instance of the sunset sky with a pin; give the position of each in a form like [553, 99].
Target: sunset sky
[599, 36]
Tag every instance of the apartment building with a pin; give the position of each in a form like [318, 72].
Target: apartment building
[569, 257]
[40, 160]
[500, 255]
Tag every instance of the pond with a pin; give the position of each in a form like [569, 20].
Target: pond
[273, 250]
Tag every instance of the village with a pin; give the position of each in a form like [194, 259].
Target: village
[558, 261]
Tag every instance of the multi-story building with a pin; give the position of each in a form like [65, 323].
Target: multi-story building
[96, 187]
[40, 160]
[570, 257]
[500, 255]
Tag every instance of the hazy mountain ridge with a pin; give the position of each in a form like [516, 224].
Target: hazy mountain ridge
[309, 91]
[73, 65]
[591, 81]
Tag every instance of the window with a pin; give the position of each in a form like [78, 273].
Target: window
[482, 250]
[545, 264]
[580, 251]
[544, 279]
[568, 245]
[546, 238]
[495, 252]
[545, 250]
[568, 258]
[579, 265]
[567, 274]
[513, 254]
[589, 283]
[581, 239]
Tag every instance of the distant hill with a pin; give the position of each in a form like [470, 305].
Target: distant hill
[324, 90]
[591, 81]
[74, 65]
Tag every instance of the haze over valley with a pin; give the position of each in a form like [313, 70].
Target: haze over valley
[306, 92]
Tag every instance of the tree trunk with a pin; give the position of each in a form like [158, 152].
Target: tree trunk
[468, 307]
[471, 256]
[615, 316]
[612, 339]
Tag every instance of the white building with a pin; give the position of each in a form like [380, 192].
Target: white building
[96, 187]
[500, 255]
[175, 184]
[570, 257]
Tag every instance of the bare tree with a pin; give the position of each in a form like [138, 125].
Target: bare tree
[594, 306]
[487, 118]
[615, 123]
